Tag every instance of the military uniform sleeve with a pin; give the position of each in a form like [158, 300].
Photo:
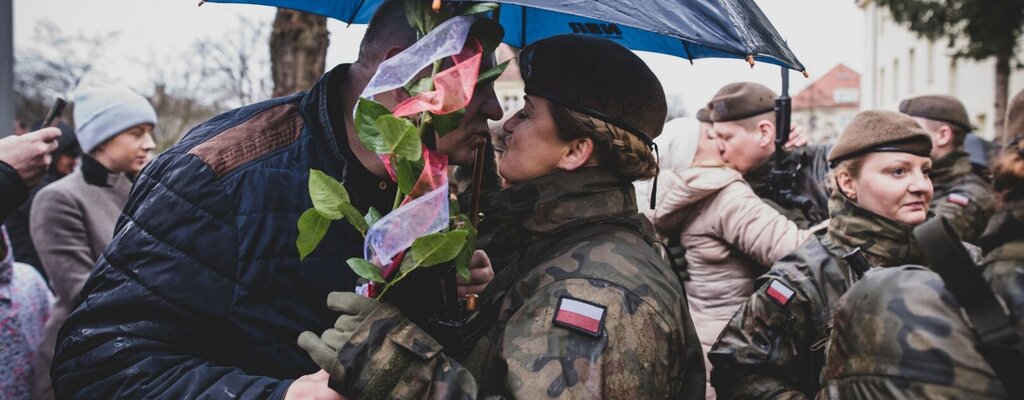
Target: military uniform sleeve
[630, 357]
[758, 352]
[967, 210]
[14, 189]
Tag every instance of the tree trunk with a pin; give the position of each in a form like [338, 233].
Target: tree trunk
[1002, 94]
[298, 50]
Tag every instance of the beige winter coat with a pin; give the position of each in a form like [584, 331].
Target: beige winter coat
[730, 235]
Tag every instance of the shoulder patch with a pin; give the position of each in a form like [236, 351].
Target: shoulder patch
[779, 292]
[958, 199]
[262, 133]
[580, 316]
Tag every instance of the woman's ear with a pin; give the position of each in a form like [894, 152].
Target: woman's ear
[576, 154]
[845, 182]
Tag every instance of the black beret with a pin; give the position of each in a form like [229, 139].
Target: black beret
[740, 100]
[875, 131]
[939, 108]
[596, 77]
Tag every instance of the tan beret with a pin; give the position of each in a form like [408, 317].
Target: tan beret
[876, 131]
[1015, 116]
[740, 100]
[704, 115]
[939, 108]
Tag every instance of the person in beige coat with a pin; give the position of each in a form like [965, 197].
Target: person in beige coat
[72, 220]
[729, 234]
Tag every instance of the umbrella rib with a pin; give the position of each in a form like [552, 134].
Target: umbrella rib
[522, 30]
[355, 11]
[686, 47]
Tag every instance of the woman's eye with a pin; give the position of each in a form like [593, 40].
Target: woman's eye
[897, 172]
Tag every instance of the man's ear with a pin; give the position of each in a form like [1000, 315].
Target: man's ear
[766, 132]
[945, 136]
[577, 154]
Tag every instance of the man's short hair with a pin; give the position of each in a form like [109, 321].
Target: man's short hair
[750, 123]
[959, 134]
[388, 28]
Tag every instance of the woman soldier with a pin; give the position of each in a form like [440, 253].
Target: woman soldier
[899, 333]
[774, 346]
[588, 309]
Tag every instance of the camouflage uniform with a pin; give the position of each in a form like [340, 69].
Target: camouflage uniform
[899, 334]
[812, 169]
[580, 236]
[965, 199]
[774, 345]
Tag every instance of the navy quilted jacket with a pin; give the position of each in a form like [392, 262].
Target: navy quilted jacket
[201, 293]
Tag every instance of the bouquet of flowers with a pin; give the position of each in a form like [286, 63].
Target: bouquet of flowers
[425, 228]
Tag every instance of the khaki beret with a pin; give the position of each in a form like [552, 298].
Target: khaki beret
[596, 77]
[876, 131]
[939, 108]
[740, 100]
[1015, 116]
[704, 115]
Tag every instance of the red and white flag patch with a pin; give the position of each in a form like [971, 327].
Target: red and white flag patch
[779, 292]
[581, 316]
[957, 198]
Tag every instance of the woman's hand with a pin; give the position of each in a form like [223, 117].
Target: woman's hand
[480, 274]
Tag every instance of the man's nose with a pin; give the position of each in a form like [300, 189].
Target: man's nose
[490, 107]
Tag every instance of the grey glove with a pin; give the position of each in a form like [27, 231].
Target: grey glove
[323, 349]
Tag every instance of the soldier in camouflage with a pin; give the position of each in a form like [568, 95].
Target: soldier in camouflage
[585, 307]
[774, 346]
[900, 334]
[962, 197]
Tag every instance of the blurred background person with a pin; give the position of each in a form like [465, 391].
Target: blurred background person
[729, 234]
[72, 220]
[63, 162]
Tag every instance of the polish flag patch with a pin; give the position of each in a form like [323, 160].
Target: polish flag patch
[959, 199]
[779, 292]
[581, 316]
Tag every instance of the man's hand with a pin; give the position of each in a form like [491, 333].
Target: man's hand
[323, 349]
[29, 154]
[480, 274]
[797, 137]
[312, 386]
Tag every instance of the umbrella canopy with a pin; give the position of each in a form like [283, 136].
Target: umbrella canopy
[690, 29]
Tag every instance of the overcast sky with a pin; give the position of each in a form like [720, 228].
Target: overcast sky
[822, 33]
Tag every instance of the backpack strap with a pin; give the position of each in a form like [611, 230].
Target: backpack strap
[1000, 344]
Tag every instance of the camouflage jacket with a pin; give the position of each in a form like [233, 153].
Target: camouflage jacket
[586, 310]
[899, 334]
[774, 346]
[811, 167]
[965, 199]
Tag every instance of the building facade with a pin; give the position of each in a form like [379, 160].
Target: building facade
[899, 65]
[827, 105]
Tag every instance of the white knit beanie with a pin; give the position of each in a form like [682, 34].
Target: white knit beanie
[103, 112]
[677, 144]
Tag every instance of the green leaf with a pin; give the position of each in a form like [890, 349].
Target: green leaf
[437, 248]
[443, 124]
[492, 73]
[312, 228]
[421, 85]
[480, 8]
[489, 33]
[354, 217]
[365, 269]
[400, 136]
[328, 194]
[414, 13]
[367, 113]
[466, 254]
[372, 216]
[407, 172]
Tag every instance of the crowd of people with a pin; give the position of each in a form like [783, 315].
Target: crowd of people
[605, 269]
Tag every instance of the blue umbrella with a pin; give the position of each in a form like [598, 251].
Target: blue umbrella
[690, 29]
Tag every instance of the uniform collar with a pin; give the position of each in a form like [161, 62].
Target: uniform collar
[759, 178]
[951, 167]
[852, 226]
[562, 200]
[97, 175]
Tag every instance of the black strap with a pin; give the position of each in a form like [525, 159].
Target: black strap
[1000, 344]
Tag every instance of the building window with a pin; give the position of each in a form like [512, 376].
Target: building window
[910, 71]
[846, 96]
[896, 79]
[931, 62]
[881, 86]
[952, 77]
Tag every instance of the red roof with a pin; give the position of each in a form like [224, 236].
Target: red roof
[839, 88]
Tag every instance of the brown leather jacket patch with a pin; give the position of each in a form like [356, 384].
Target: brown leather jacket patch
[265, 132]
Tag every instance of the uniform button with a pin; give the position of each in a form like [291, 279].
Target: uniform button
[383, 185]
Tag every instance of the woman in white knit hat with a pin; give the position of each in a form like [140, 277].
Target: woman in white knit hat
[72, 219]
[729, 234]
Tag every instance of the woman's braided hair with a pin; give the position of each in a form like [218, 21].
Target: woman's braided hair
[618, 151]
